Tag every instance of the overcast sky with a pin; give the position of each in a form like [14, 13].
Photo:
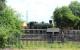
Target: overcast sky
[36, 10]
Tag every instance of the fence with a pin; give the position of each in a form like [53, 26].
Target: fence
[72, 35]
[39, 38]
[42, 34]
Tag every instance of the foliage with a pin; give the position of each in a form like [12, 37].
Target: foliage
[2, 4]
[75, 7]
[67, 16]
[9, 25]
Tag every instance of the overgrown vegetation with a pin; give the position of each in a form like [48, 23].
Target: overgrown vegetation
[9, 25]
[45, 44]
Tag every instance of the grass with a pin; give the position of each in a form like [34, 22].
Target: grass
[44, 45]
[42, 49]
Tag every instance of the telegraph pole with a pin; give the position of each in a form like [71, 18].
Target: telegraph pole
[27, 16]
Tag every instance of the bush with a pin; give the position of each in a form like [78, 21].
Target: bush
[10, 27]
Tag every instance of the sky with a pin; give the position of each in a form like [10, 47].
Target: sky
[36, 10]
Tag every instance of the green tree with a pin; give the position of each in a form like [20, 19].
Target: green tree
[2, 4]
[65, 17]
[75, 7]
[10, 25]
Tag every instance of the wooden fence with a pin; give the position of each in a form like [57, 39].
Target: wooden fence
[42, 35]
